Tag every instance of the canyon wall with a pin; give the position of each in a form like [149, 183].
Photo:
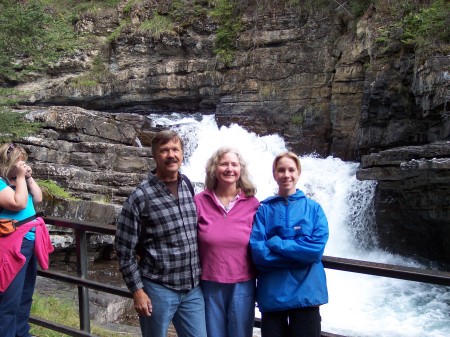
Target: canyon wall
[322, 80]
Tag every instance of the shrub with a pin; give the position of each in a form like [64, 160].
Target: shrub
[30, 38]
[15, 126]
[423, 27]
[229, 25]
[158, 25]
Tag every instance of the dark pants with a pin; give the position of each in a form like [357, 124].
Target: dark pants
[301, 322]
[15, 302]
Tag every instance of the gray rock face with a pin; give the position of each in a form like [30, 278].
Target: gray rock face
[95, 157]
[93, 154]
[413, 199]
[311, 77]
[322, 81]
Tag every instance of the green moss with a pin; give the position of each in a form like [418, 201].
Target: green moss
[265, 91]
[102, 199]
[297, 119]
[53, 189]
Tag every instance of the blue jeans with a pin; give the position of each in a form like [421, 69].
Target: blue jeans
[186, 309]
[230, 308]
[15, 302]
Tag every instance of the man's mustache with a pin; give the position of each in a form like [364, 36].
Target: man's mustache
[171, 161]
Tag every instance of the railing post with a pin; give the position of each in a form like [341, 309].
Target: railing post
[83, 292]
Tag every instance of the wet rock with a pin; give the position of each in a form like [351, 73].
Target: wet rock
[413, 199]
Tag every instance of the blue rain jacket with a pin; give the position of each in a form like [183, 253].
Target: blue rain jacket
[287, 243]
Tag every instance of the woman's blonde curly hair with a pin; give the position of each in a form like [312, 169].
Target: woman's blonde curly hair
[244, 182]
[9, 155]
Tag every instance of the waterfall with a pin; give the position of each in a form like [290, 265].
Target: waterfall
[359, 305]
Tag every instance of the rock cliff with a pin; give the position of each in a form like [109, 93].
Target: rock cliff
[323, 80]
[412, 198]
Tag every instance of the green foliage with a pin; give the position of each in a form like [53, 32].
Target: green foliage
[15, 126]
[52, 188]
[55, 309]
[297, 119]
[229, 25]
[420, 27]
[427, 25]
[36, 33]
[186, 12]
[116, 32]
[30, 38]
[358, 7]
[98, 74]
[67, 7]
[127, 8]
[9, 96]
[63, 311]
[158, 25]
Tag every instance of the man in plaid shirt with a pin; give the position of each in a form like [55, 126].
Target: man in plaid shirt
[164, 277]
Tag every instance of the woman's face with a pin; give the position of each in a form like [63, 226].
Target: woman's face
[286, 175]
[228, 169]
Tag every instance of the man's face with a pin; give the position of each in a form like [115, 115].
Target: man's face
[168, 158]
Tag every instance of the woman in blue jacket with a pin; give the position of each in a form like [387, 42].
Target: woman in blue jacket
[287, 243]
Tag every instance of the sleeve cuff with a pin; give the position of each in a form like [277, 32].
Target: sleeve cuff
[274, 242]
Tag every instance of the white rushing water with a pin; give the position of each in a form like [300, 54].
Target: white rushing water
[359, 305]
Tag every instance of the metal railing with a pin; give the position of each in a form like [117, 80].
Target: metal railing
[84, 284]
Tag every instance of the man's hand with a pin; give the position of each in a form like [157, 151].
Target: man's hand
[142, 303]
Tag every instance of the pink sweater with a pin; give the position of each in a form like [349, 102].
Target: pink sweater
[224, 237]
[11, 260]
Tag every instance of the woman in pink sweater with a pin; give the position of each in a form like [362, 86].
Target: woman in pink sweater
[225, 216]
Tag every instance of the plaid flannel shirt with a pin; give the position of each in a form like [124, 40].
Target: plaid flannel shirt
[169, 243]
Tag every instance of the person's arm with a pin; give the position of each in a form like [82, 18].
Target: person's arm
[16, 199]
[126, 239]
[304, 249]
[264, 259]
[142, 303]
[33, 187]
